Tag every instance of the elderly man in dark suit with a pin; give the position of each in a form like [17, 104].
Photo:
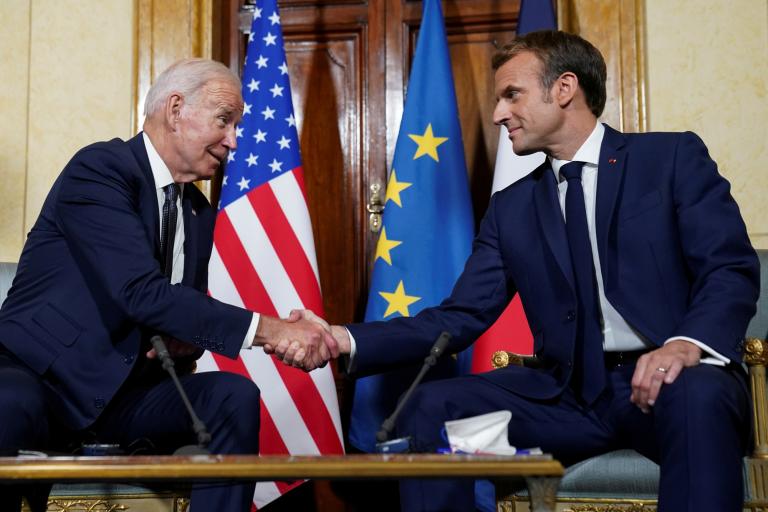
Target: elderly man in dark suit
[119, 254]
[638, 280]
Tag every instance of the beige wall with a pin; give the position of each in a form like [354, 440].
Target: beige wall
[66, 68]
[708, 72]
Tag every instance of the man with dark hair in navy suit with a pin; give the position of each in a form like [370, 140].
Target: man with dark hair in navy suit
[104, 269]
[638, 280]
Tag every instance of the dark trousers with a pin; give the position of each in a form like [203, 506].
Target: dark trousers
[698, 432]
[147, 416]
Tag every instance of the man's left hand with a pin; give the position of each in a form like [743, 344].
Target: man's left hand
[661, 366]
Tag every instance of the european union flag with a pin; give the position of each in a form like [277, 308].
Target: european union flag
[427, 228]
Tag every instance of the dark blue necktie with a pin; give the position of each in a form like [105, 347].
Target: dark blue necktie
[588, 379]
[168, 227]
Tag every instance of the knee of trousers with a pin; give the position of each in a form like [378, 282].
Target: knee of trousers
[235, 410]
[704, 397]
[26, 420]
[424, 416]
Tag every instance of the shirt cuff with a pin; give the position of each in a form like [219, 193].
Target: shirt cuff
[713, 357]
[352, 351]
[251, 333]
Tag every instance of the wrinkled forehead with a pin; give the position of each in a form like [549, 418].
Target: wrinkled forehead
[224, 90]
[224, 94]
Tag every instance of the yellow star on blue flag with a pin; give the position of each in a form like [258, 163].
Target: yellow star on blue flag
[427, 143]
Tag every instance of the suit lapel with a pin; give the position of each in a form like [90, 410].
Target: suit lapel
[610, 176]
[148, 209]
[551, 221]
[190, 236]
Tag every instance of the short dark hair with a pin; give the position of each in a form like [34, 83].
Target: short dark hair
[560, 52]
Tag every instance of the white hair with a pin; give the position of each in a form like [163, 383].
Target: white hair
[186, 77]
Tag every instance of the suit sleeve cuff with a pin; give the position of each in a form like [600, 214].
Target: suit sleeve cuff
[712, 357]
[251, 333]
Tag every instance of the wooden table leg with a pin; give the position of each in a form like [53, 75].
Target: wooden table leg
[543, 492]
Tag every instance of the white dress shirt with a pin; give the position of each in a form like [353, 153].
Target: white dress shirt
[163, 178]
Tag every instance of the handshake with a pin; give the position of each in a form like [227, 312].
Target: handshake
[303, 340]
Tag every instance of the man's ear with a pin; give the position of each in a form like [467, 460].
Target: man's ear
[566, 87]
[173, 109]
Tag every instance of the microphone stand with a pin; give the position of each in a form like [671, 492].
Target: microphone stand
[203, 437]
[403, 444]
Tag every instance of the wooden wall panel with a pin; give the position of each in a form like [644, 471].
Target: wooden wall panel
[617, 29]
[327, 100]
[166, 31]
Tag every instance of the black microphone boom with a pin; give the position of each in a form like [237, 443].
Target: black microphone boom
[203, 437]
[434, 354]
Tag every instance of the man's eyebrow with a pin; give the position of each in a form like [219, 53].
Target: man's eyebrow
[506, 92]
[510, 89]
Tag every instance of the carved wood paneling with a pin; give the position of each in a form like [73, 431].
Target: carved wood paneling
[328, 105]
[617, 29]
[166, 31]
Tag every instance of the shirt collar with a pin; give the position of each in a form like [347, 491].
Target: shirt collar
[160, 171]
[589, 152]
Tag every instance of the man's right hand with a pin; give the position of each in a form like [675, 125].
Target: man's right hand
[296, 341]
[340, 333]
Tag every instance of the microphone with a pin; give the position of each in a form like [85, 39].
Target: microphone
[203, 437]
[403, 444]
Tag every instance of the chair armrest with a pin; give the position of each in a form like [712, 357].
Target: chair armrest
[502, 359]
[756, 357]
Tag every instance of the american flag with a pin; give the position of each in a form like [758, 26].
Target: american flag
[263, 257]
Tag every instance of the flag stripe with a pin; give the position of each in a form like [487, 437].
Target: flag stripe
[326, 386]
[298, 173]
[267, 431]
[311, 407]
[266, 492]
[279, 402]
[290, 195]
[287, 247]
[247, 282]
[220, 284]
[263, 259]
[271, 441]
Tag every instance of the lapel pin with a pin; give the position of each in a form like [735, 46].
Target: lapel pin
[194, 212]
[611, 160]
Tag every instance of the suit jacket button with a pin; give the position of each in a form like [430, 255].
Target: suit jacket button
[570, 316]
[98, 403]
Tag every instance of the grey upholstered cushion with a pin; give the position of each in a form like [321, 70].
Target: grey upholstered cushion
[618, 474]
[7, 271]
[758, 327]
